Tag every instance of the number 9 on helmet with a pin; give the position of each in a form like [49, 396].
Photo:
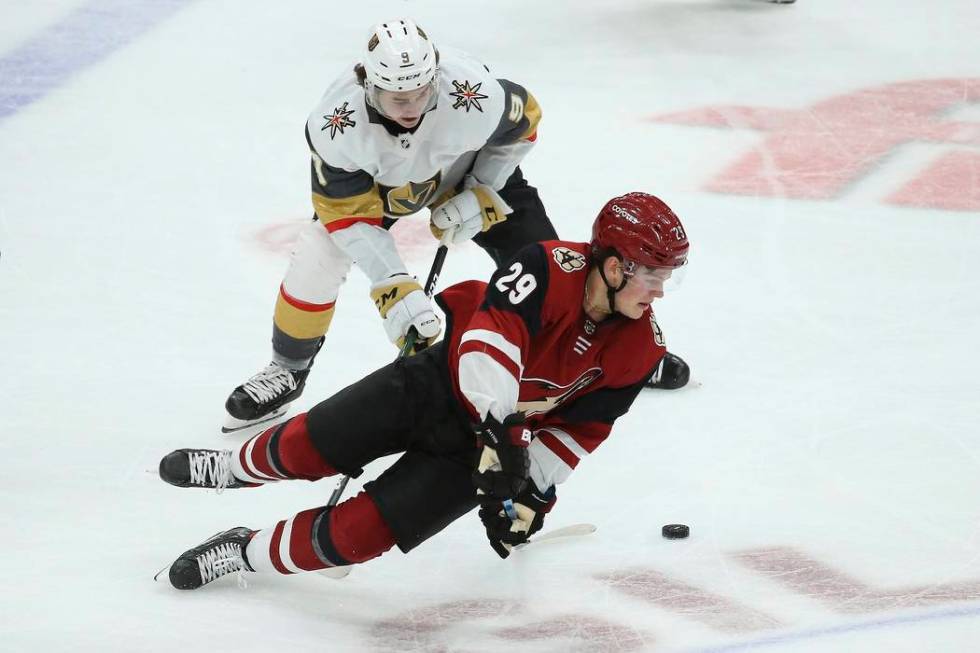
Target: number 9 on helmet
[400, 58]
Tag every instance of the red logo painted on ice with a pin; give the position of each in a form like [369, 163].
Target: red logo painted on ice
[819, 151]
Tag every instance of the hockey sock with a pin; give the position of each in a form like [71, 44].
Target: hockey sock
[295, 364]
[286, 548]
[281, 452]
[357, 531]
[351, 532]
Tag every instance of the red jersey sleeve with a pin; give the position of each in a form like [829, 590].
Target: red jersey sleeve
[563, 439]
[493, 345]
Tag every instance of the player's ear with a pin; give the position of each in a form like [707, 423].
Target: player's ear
[613, 268]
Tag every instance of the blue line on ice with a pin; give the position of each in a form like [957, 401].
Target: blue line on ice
[84, 37]
[939, 615]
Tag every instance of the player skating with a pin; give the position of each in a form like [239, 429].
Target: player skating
[410, 127]
[535, 368]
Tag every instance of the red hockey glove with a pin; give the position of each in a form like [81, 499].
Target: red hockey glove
[504, 464]
[503, 532]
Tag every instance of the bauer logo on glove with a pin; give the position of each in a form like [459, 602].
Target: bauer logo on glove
[504, 466]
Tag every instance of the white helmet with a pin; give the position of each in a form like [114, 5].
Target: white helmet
[399, 56]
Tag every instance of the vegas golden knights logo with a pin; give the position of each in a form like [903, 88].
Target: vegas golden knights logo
[410, 198]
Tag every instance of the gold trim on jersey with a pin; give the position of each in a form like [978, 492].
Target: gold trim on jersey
[532, 111]
[329, 209]
[301, 324]
[411, 197]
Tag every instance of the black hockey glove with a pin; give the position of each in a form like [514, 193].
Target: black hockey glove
[504, 466]
[503, 532]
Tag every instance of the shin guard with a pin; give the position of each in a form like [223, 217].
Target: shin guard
[347, 534]
[281, 452]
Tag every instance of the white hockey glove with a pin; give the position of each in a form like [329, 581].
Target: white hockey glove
[403, 306]
[469, 212]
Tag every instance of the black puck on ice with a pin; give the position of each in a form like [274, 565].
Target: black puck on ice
[675, 531]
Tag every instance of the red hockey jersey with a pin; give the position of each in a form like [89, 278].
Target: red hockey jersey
[524, 343]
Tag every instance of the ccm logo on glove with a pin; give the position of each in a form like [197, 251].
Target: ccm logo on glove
[403, 306]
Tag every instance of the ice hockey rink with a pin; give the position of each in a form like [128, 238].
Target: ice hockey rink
[825, 159]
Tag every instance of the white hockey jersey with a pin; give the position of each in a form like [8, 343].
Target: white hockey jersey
[363, 171]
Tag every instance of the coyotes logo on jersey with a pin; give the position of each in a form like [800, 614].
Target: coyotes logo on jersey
[658, 335]
[553, 394]
[568, 260]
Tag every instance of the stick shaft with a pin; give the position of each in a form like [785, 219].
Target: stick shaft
[430, 286]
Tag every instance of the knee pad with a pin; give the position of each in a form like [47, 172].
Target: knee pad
[309, 290]
[317, 267]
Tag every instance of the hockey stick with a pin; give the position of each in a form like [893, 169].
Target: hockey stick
[574, 530]
[412, 336]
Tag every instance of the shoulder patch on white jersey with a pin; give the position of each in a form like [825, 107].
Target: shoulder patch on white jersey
[338, 120]
[658, 334]
[468, 96]
[568, 260]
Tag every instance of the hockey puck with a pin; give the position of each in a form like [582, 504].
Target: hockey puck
[675, 531]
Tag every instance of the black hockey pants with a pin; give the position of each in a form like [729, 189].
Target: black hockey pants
[405, 407]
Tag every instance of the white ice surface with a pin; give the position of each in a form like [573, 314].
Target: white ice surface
[831, 431]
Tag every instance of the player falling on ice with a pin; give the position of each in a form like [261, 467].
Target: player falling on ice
[410, 128]
[534, 369]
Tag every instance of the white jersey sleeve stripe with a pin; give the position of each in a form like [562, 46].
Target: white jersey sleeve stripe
[497, 341]
[488, 385]
[547, 468]
[568, 441]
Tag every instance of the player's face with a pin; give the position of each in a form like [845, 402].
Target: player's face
[405, 107]
[644, 286]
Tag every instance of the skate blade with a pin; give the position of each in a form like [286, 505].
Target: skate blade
[156, 576]
[233, 425]
[335, 572]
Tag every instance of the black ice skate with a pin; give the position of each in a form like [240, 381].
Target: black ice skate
[672, 373]
[263, 397]
[219, 555]
[200, 468]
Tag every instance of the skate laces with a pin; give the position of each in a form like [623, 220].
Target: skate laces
[211, 468]
[269, 383]
[221, 560]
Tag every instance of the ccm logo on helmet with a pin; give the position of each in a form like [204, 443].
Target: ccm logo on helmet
[623, 213]
[405, 78]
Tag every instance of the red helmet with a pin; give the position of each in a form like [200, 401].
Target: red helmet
[642, 229]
